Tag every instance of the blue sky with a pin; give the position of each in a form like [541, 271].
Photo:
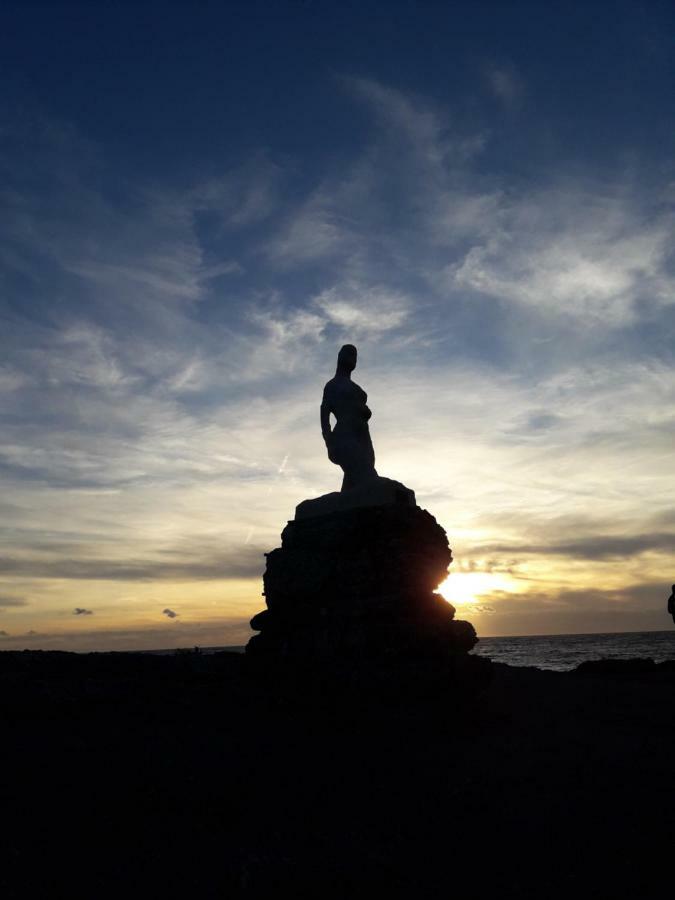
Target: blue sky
[201, 202]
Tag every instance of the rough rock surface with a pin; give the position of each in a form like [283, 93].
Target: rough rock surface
[360, 584]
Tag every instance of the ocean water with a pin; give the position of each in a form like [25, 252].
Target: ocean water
[562, 652]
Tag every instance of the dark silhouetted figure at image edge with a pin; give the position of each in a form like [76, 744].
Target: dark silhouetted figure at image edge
[671, 602]
[348, 443]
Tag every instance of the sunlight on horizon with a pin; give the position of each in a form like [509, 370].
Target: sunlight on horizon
[465, 588]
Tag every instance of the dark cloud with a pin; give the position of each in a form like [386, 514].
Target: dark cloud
[647, 594]
[244, 562]
[4, 634]
[539, 422]
[79, 611]
[593, 547]
[169, 613]
[666, 517]
[637, 607]
[11, 601]
[641, 594]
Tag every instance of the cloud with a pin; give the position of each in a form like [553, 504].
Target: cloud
[491, 566]
[568, 250]
[79, 611]
[360, 309]
[640, 606]
[240, 562]
[143, 265]
[11, 379]
[218, 269]
[4, 634]
[243, 197]
[413, 123]
[311, 234]
[594, 547]
[564, 246]
[635, 596]
[505, 84]
[7, 601]
[513, 338]
[574, 253]
[285, 337]
[169, 613]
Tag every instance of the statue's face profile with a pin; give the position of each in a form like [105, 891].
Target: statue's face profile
[347, 357]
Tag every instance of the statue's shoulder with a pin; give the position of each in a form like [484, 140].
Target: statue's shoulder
[337, 389]
[330, 388]
[340, 384]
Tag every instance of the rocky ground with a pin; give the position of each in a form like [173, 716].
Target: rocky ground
[137, 775]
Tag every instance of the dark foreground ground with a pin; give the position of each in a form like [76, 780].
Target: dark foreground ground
[139, 776]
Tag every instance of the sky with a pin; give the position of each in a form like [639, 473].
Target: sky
[199, 203]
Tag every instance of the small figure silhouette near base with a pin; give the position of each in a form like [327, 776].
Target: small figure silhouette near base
[671, 603]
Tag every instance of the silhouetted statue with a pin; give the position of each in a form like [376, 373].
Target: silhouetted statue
[671, 603]
[348, 443]
[356, 572]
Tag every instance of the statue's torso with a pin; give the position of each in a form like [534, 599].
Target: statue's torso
[347, 401]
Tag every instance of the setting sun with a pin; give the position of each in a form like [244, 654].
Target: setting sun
[461, 588]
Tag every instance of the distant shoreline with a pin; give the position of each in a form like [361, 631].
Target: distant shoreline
[556, 652]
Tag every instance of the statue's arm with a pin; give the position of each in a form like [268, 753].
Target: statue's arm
[326, 409]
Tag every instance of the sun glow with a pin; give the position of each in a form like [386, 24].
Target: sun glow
[464, 588]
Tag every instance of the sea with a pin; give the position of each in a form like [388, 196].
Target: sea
[562, 652]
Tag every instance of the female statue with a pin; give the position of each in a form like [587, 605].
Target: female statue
[348, 443]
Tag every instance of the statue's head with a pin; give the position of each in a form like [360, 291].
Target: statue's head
[347, 357]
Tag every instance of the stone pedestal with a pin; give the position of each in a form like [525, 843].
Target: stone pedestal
[358, 581]
[374, 492]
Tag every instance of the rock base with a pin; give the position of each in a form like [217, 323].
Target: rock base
[360, 584]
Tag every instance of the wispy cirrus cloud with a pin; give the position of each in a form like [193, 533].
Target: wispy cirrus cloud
[574, 254]
[505, 83]
[361, 310]
[310, 234]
